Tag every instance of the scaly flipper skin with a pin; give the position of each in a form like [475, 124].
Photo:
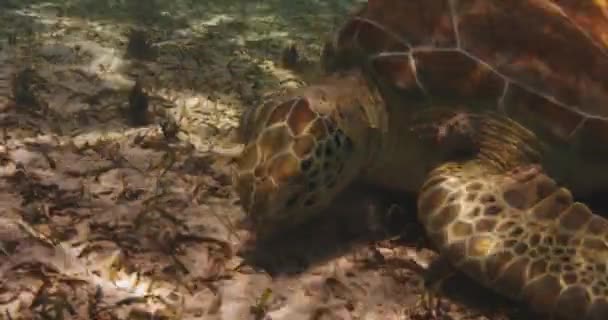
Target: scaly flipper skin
[520, 234]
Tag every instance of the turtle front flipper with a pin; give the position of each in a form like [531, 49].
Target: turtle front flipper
[520, 234]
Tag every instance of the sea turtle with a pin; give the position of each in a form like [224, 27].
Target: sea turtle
[488, 109]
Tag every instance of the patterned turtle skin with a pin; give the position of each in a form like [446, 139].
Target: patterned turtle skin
[494, 112]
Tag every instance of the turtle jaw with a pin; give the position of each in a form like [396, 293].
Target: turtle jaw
[279, 190]
[264, 201]
[285, 191]
[272, 207]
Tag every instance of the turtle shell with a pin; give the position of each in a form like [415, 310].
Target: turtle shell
[542, 63]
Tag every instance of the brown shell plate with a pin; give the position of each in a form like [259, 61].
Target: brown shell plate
[543, 63]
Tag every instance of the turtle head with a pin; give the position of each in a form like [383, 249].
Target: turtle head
[297, 157]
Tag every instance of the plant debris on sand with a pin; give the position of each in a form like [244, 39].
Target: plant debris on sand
[116, 124]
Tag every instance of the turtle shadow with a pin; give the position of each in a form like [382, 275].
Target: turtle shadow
[360, 218]
[597, 202]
